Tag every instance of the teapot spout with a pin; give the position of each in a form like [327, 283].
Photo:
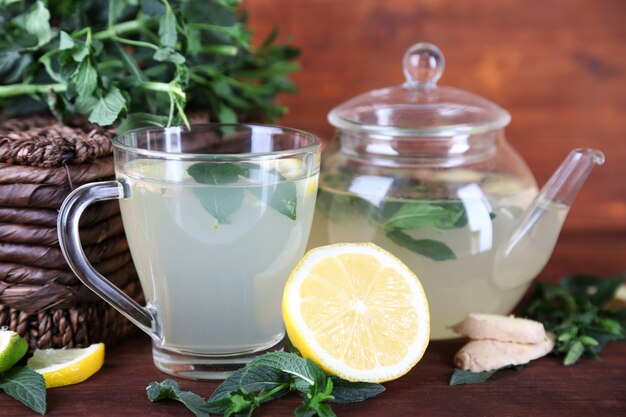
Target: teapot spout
[566, 182]
[531, 243]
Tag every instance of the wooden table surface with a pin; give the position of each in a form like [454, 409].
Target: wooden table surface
[545, 388]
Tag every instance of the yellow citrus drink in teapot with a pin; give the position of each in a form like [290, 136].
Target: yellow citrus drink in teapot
[426, 173]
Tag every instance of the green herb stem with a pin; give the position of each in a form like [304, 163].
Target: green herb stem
[168, 88]
[123, 28]
[220, 50]
[181, 112]
[269, 394]
[209, 26]
[21, 89]
[193, 75]
[132, 42]
[110, 64]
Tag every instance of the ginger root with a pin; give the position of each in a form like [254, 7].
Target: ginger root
[499, 341]
[488, 355]
[501, 328]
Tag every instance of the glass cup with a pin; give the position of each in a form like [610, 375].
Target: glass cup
[216, 218]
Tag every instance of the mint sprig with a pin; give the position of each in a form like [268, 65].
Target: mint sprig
[169, 389]
[26, 386]
[269, 377]
[578, 311]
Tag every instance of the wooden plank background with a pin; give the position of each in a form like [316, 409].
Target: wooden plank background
[559, 67]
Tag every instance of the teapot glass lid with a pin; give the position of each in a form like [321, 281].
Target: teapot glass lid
[419, 107]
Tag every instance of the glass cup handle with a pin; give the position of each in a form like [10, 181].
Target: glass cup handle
[69, 240]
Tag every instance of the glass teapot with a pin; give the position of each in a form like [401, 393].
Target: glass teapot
[426, 172]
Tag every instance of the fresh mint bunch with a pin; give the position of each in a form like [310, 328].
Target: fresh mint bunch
[143, 62]
[266, 378]
[578, 311]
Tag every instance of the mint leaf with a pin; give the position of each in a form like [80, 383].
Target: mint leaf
[315, 401]
[282, 196]
[65, 41]
[167, 29]
[457, 215]
[168, 55]
[79, 52]
[574, 353]
[353, 392]
[36, 21]
[85, 78]
[432, 249]
[215, 173]
[8, 59]
[263, 379]
[418, 215]
[220, 202]
[154, 8]
[236, 394]
[320, 378]
[230, 384]
[310, 410]
[169, 389]
[86, 104]
[26, 386]
[288, 363]
[460, 377]
[108, 108]
[284, 199]
[229, 4]
[227, 114]
[260, 378]
[282, 193]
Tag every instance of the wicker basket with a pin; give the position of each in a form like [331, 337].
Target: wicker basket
[41, 161]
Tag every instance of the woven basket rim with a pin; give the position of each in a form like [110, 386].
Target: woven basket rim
[42, 141]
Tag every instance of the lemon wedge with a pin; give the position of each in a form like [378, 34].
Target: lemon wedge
[60, 367]
[12, 348]
[357, 311]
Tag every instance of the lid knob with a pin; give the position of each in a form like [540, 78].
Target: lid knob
[423, 64]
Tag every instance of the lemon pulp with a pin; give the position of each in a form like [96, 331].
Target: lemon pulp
[357, 311]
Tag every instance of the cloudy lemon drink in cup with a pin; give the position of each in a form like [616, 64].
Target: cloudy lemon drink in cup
[216, 218]
[230, 246]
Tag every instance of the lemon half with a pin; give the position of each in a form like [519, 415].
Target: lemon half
[60, 367]
[357, 311]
